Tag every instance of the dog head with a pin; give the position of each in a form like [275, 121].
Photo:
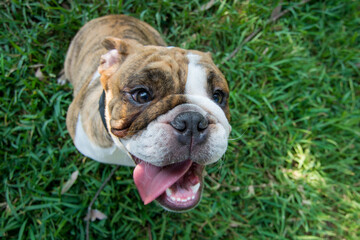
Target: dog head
[169, 108]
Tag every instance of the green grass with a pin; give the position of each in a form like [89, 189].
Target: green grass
[292, 169]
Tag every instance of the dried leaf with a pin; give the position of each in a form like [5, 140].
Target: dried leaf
[235, 224]
[265, 51]
[70, 182]
[11, 71]
[276, 10]
[207, 6]
[306, 202]
[95, 214]
[38, 65]
[251, 190]
[39, 75]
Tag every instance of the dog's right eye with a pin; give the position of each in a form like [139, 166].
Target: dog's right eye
[141, 95]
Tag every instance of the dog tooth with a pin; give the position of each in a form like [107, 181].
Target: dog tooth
[188, 198]
[172, 198]
[183, 200]
[195, 188]
[193, 197]
[178, 199]
[168, 192]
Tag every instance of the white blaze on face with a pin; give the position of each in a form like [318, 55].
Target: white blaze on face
[196, 91]
[196, 82]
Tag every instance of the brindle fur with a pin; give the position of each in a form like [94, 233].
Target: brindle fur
[82, 61]
[162, 70]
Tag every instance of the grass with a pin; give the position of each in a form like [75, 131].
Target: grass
[292, 169]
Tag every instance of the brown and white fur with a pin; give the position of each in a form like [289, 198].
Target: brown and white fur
[147, 85]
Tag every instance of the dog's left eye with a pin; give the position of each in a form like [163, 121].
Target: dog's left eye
[218, 97]
[141, 95]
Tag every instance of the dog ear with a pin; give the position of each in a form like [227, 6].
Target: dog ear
[124, 46]
[118, 50]
[209, 55]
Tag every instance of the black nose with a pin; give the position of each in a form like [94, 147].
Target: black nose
[190, 126]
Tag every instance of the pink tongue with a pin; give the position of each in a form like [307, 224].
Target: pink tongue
[152, 181]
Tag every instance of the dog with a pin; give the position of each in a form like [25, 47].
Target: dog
[163, 110]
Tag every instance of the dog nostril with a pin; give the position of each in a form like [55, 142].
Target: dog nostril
[191, 122]
[179, 125]
[203, 125]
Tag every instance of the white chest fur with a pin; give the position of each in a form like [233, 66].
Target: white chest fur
[111, 155]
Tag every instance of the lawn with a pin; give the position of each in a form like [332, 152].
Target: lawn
[292, 169]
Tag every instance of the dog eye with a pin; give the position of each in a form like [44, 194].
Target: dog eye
[141, 95]
[218, 97]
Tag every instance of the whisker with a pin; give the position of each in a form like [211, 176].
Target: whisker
[235, 139]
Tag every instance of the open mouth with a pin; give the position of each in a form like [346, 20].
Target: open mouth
[177, 187]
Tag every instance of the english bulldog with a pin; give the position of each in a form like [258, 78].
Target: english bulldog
[163, 110]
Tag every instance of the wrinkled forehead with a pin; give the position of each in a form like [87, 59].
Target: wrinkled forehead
[170, 78]
[171, 70]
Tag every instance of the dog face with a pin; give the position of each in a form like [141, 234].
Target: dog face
[169, 108]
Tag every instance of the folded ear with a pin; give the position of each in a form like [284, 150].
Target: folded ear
[209, 54]
[118, 51]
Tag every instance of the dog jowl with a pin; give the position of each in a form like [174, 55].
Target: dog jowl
[139, 103]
